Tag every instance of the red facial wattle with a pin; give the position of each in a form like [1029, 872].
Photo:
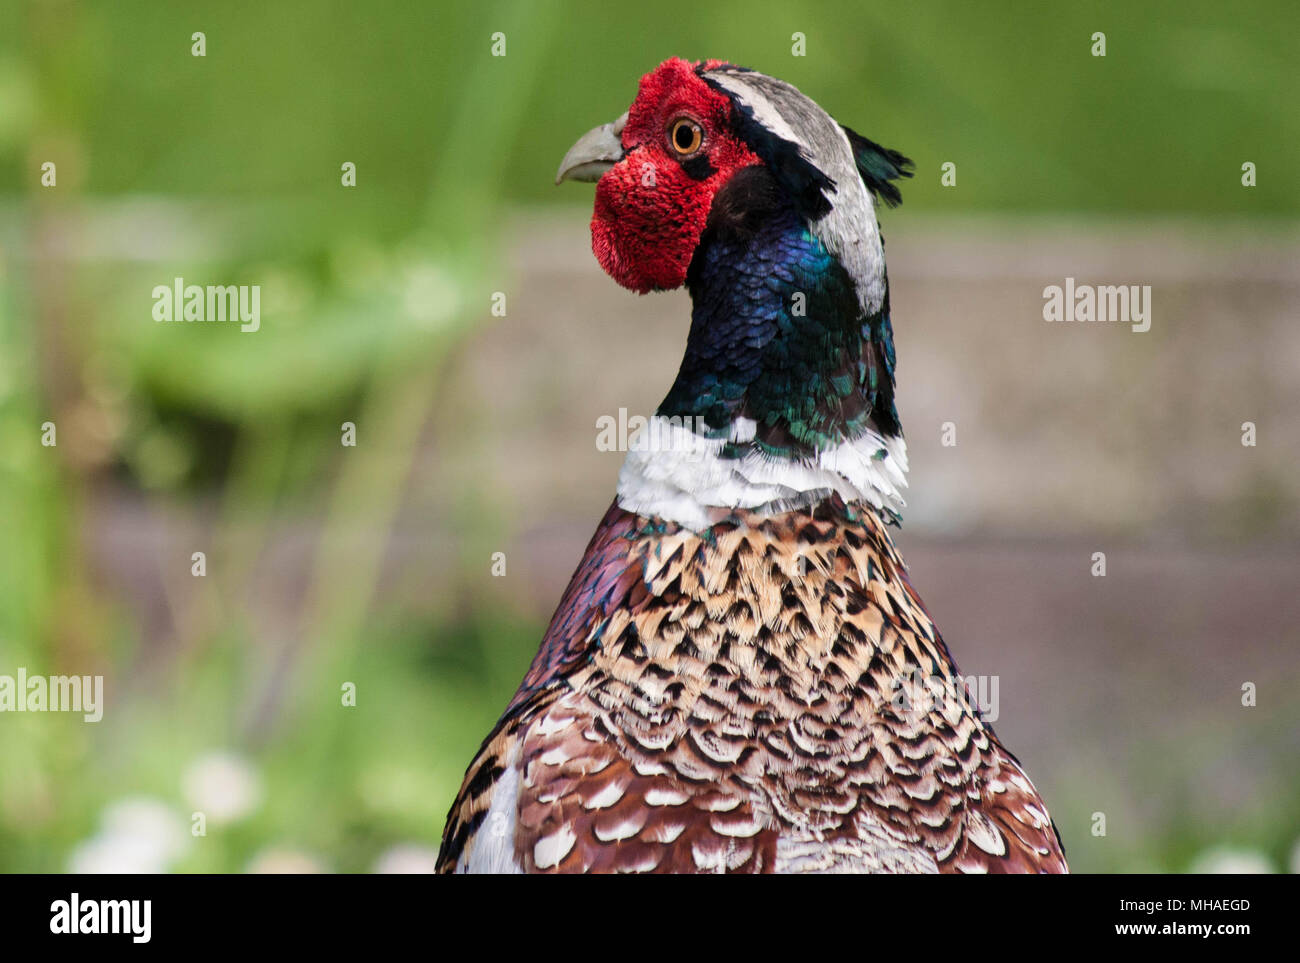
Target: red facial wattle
[650, 208]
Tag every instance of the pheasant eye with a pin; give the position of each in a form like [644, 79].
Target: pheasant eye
[685, 136]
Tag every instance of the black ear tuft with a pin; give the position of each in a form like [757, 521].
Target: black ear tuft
[743, 204]
[878, 166]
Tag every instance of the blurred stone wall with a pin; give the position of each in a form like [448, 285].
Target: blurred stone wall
[1061, 428]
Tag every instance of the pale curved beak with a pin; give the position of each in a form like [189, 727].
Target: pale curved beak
[595, 152]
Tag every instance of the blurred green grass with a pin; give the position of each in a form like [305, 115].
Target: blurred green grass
[1008, 91]
[227, 167]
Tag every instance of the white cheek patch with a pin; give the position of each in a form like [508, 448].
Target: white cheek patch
[764, 110]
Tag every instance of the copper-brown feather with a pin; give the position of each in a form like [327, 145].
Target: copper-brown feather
[730, 702]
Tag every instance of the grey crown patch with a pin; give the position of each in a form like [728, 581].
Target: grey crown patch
[849, 230]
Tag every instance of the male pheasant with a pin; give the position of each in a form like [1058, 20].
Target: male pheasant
[729, 683]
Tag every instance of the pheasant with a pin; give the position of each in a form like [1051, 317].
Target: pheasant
[740, 676]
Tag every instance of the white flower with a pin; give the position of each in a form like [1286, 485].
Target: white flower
[137, 835]
[114, 854]
[222, 786]
[408, 858]
[429, 294]
[1226, 860]
[284, 861]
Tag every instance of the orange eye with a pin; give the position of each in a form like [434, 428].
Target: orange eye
[685, 136]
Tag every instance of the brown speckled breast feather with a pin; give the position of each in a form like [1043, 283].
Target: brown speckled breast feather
[729, 702]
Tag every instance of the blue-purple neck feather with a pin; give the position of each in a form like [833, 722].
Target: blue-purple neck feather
[777, 332]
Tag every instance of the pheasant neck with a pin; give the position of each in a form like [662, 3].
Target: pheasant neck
[785, 394]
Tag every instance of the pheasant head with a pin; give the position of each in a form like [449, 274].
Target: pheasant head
[743, 189]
